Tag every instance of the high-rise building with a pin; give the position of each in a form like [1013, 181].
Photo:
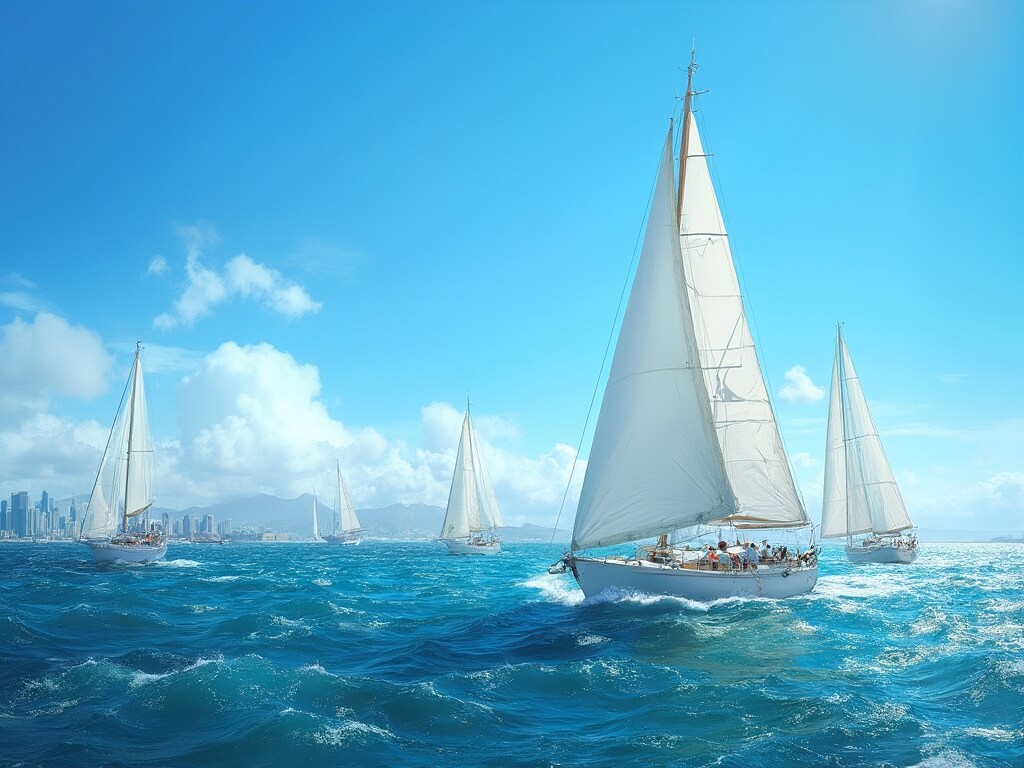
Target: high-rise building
[188, 526]
[21, 516]
[209, 527]
[5, 524]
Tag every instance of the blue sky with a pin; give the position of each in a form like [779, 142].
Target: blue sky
[330, 222]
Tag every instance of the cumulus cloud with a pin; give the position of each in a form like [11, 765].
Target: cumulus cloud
[49, 356]
[241, 277]
[799, 388]
[252, 420]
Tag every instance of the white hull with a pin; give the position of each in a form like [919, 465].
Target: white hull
[776, 581]
[490, 547]
[884, 553]
[344, 538]
[108, 552]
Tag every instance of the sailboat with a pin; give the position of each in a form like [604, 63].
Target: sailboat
[347, 529]
[122, 491]
[472, 515]
[316, 526]
[686, 445]
[861, 495]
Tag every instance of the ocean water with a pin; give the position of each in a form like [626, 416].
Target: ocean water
[397, 654]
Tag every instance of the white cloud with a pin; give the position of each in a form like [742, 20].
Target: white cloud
[242, 277]
[45, 452]
[252, 420]
[803, 460]
[157, 266]
[48, 356]
[799, 388]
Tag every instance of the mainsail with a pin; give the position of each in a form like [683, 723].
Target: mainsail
[123, 486]
[472, 507]
[860, 493]
[686, 434]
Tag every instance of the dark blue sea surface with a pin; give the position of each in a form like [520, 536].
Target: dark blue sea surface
[397, 654]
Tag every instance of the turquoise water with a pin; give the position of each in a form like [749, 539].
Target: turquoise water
[396, 654]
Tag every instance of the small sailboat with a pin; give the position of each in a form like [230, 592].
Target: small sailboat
[686, 443]
[122, 492]
[347, 529]
[860, 495]
[316, 526]
[472, 515]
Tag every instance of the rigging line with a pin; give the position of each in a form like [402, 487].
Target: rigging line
[607, 346]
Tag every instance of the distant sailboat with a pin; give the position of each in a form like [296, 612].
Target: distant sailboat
[347, 529]
[687, 438]
[472, 515]
[861, 495]
[122, 490]
[316, 526]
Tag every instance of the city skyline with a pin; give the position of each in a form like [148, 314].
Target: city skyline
[329, 228]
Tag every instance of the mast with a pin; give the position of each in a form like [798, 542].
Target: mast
[685, 144]
[131, 430]
[842, 413]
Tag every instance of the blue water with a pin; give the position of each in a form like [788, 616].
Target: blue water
[396, 654]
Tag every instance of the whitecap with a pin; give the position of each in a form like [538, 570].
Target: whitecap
[948, 758]
[554, 588]
[341, 735]
[993, 734]
[180, 563]
[143, 678]
[218, 579]
[322, 582]
[588, 639]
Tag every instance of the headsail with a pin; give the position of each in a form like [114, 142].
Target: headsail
[755, 458]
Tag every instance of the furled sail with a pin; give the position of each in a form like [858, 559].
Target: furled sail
[861, 493]
[655, 464]
[744, 421]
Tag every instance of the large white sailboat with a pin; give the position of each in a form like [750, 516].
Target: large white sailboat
[472, 515]
[861, 495]
[347, 529]
[123, 488]
[686, 444]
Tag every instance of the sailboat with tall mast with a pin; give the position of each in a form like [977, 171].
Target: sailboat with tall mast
[861, 495]
[686, 445]
[347, 529]
[472, 516]
[122, 492]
